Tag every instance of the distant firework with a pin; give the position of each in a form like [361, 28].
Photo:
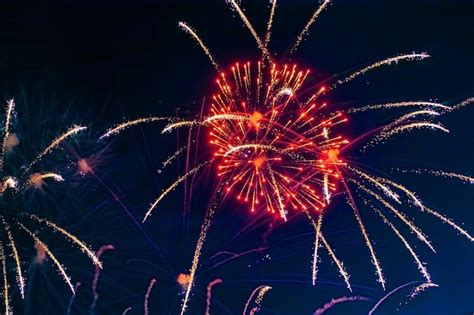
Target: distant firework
[18, 220]
[278, 148]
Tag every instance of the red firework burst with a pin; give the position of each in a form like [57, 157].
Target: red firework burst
[274, 144]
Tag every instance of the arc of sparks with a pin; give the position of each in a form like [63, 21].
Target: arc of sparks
[54, 144]
[147, 296]
[339, 264]
[172, 187]
[419, 234]
[317, 237]
[463, 104]
[388, 61]
[423, 208]
[6, 132]
[185, 27]
[262, 290]
[365, 234]
[19, 277]
[398, 105]
[247, 23]
[122, 126]
[60, 267]
[270, 23]
[420, 264]
[82, 246]
[305, 30]
[6, 297]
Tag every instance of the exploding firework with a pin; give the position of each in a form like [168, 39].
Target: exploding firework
[277, 146]
[18, 218]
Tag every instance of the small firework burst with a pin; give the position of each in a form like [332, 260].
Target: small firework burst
[18, 218]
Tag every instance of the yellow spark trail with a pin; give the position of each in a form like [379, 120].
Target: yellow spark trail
[60, 267]
[317, 229]
[463, 104]
[172, 187]
[376, 182]
[261, 293]
[339, 264]
[6, 132]
[6, 298]
[388, 61]
[422, 237]
[19, 278]
[193, 33]
[83, 247]
[421, 266]
[56, 142]
[382, 135]
[247, 23]
[270, 23]
[423, 208]
[463, 178]
[374, 259]
[202, 237]
[120, 127]
[308, 25]
[398, 105]
[179, 124]
[170, 159]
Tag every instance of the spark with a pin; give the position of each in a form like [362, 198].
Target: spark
[388, 61]
[172, 157]
[6, 130]
[422, 237]
[398, 105]
[339, 264]
[83, 247]
[317, 229]
[127, 124]
[6, 297]
[247, 23]
[313, 18]
[368, 242]
[200, 243]
[262, 290]
[420, 264]
[19, 278]
[171, 188]
[54, 144]
[463, 104]
[60, 267]
[193, 33]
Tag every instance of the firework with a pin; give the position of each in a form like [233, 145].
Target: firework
[21, 222]
[209, 294]
[277, 146]
[260, 291]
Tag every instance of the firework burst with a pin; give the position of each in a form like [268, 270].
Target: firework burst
[277, 146]
[17, 219]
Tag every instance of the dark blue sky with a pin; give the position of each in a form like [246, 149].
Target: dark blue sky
[129, 59]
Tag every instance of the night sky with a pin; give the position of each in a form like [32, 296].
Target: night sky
[96, 63]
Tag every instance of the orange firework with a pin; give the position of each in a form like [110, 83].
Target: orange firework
[273, 144]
